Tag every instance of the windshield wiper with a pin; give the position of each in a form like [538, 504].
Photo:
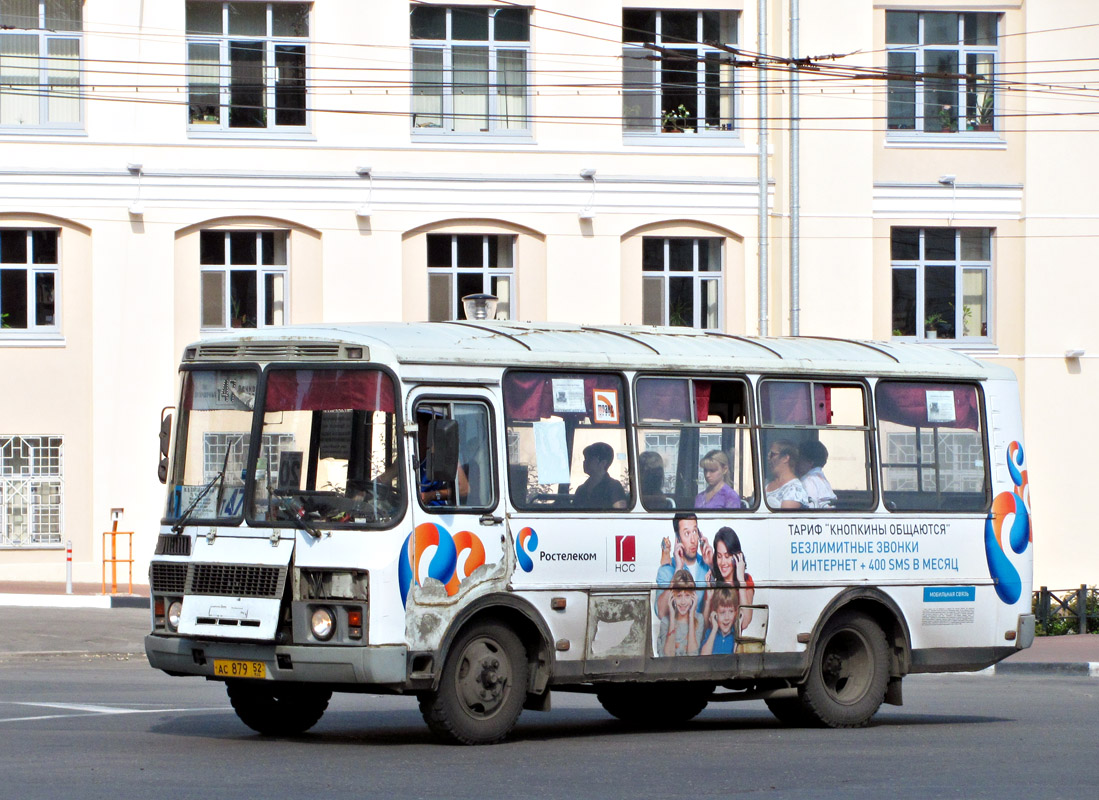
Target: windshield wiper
[295, 509]
[178, 527]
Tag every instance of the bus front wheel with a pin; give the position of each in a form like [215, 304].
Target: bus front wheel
[275, 709]
[482, 689]
[849, 673]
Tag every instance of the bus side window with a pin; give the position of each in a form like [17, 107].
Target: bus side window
[934, 453]
[825, 427]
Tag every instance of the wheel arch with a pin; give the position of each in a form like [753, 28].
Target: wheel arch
[522, 618]
[884, 611]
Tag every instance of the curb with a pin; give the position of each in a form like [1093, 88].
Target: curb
[73, 601]
[1088, 669]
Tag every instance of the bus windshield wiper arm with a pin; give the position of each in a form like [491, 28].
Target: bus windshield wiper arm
[296, 511]
[217, 479]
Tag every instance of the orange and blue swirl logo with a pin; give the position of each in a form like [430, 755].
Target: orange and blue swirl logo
[444, 566]
[525, 544]
[1013, 506]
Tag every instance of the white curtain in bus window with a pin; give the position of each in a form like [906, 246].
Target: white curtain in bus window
[694, 444]
[825, 426]
[566, 441]
[329, 448]
[933, 451]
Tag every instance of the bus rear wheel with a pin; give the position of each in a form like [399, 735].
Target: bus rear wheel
[277, 709]
[849, 673]
[482, 689]
[655, 705]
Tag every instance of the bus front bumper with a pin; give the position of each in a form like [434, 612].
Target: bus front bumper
[383, 666]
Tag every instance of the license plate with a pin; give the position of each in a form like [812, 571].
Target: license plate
[239, 669]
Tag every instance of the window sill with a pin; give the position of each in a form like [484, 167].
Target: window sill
[714, 139]
[25, 547]
[32, 340]
[984, 345]
[970, 140]
[251, 134]
[40, 130]
[420, 136]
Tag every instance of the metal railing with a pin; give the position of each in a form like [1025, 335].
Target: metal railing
[1061, 611]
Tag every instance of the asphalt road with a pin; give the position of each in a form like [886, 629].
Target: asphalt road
[103, 726]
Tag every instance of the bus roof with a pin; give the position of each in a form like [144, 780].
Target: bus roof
[544, 344]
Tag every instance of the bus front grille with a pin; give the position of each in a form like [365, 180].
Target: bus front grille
[236, 580]
[168, 578]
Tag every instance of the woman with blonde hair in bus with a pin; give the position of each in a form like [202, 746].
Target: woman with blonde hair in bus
[719, 491]
[784, 490]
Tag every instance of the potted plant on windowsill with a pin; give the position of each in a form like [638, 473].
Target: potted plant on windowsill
[931, 325]
[947, 122]
[674, 121]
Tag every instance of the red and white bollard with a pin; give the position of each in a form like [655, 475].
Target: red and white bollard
[69, 567]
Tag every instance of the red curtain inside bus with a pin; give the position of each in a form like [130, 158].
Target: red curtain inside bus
[328, 390]
[529, 396]
[787, 403]
[910, 404]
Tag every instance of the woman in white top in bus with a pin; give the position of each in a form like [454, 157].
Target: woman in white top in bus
[784, 489]
[814, 455]
[729, 571]
[719, 491]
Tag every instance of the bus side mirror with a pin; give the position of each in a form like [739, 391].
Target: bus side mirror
[165, 442]
[442, 449]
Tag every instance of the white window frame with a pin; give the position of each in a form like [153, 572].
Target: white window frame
[40, 485]
[960, 266]
[976, 101]
[43, 89]
[642, 76]
[506, 308]
[34, 328]
[495, 112]
[697, 276]
[281, 304]
[271, 43]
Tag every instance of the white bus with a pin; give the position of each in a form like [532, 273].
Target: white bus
[481, 513]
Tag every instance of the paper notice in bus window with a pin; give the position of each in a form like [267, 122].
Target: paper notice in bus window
[568, 395]
[550, 451]
[940, 407]
[605, 403]
[228, 391]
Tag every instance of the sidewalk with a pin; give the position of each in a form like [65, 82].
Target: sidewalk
[123, 631]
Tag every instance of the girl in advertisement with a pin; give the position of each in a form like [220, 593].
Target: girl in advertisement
[729, 571]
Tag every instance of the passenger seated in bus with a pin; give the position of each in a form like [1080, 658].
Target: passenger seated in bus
[432, 492]
[681, 627]
[719, 492]
[730, 571]
[721, 637]
[814, 455]
[784, 489]
[651, 478]
[691, 552]
[600, 490]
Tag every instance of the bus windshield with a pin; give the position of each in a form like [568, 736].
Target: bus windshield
[329, 449]
[215, 419]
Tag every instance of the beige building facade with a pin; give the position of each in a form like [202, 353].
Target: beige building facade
[177, 168]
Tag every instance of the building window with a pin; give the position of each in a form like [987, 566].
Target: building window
[40, 63]
[679, 84]
[31, 491]
[941, 282]
[956, 55]
[681, 282]
[469, 70]
[28, 281]
[463, 263]
[245, 278]
[246, 65]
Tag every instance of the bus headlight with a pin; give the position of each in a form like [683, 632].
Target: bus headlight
[175, 609]
[323, 624]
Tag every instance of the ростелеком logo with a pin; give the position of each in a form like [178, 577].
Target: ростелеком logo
[526, 544]
[1016, 505]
